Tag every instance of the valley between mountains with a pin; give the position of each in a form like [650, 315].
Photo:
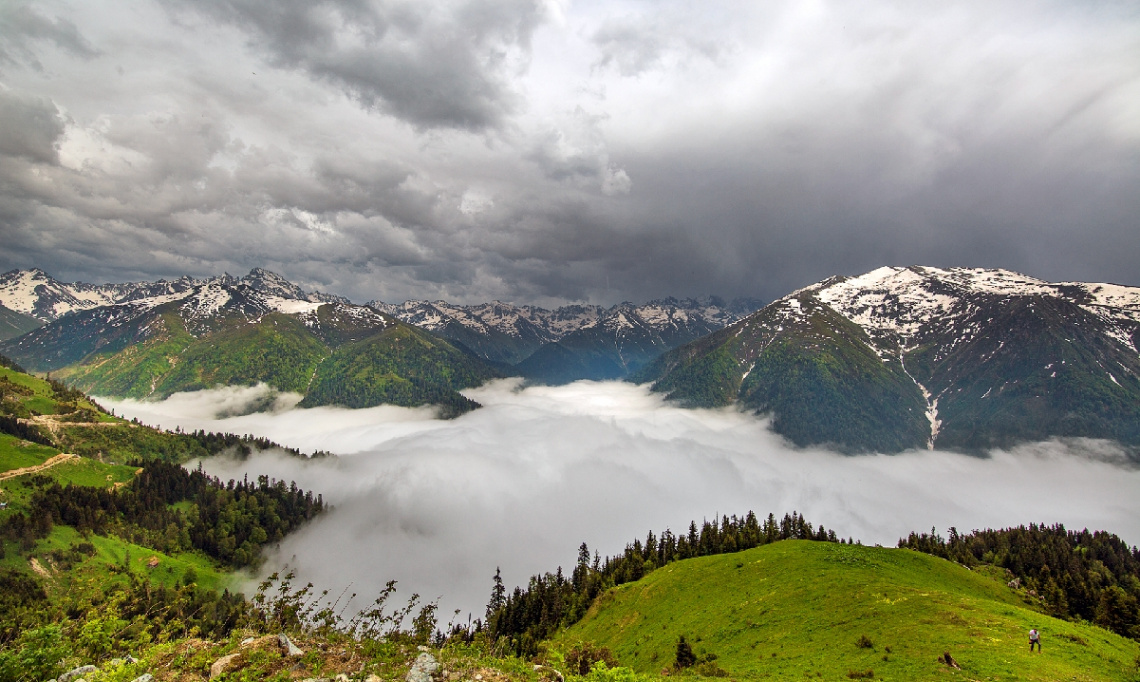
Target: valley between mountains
[895, 359]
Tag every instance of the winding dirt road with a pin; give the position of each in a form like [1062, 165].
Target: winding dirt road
[57, 459]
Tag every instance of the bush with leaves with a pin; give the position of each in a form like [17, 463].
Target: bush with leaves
[582, 657]
[37, 655]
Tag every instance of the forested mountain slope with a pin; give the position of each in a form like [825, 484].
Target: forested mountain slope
[260, 328]
[918, 357]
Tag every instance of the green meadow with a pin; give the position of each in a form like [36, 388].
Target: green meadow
[801, 609]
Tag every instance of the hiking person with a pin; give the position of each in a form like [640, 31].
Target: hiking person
[1034, 638]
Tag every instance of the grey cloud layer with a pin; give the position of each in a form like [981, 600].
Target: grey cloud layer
[31, 128]
[23, 26]
[542, 152]
[520, 483]
[431, 64]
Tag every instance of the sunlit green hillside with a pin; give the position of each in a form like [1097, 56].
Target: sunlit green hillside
[801, 609]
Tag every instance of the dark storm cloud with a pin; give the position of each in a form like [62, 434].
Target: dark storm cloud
[605, 152]
[430, 64]
[921, 142]
[21, 26]
[32, 126]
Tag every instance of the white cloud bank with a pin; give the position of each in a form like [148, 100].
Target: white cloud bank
[437, 505]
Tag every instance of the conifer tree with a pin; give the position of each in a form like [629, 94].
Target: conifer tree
[685, 658]
[498, 595]
[582, 569]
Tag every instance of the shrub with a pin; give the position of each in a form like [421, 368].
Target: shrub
[37, 657]
[601, 673]
[709, 668]
[685, 658]
[864, 642]
[581, 658]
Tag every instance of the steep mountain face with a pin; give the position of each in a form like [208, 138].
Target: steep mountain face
[38, 294]
[915, 357]
[498, 332]
[571, 342]
[150, 339]
[13, 324]
[259, 328]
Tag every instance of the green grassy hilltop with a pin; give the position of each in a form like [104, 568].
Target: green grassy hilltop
[95, 510]
[802, 609]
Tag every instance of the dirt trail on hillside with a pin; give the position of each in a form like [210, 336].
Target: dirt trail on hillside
[54, 422]
[57, 459]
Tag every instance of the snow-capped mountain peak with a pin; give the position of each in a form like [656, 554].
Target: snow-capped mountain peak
[36, 293]
[908, 300]
[902, 357]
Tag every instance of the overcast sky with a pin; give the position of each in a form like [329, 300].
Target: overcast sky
[545, 151]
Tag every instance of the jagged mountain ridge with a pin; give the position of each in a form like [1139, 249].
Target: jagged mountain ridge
[152, 339]
[37, 294]
[603, 342]
[915, 357]
[574, 341]
[240, 331]
[552, 325]
[552, 346]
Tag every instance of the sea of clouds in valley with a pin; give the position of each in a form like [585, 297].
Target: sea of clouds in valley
[438, 505]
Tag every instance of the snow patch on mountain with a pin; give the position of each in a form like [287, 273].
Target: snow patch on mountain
[34, 292]
[552, 325]
[291, 306]
[898, 300]
[907, 301]
[1113, 295]
[206, 301]
[161, 299]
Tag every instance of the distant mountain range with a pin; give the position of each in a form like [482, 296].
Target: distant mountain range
[919, 357]
[154, 339]
[895, 359]
[151, 339]
[571, 342]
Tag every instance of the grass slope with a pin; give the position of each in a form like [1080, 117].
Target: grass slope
[13, 324]
[17, 454]
[797, 609]
[24, 395]
[134, 371]
[73, 563]
[66, 560]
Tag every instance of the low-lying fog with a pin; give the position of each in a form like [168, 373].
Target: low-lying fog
[438, 505]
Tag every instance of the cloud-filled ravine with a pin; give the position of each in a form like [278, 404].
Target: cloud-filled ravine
[519, 484]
